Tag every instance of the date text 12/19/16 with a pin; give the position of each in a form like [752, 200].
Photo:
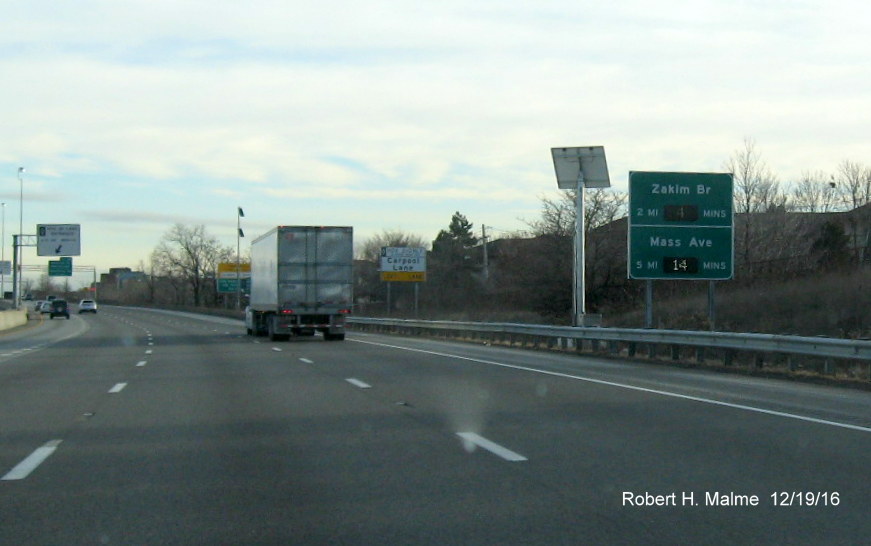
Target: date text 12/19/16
[729, 499]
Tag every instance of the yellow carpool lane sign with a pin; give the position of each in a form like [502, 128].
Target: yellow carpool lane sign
[406, 276]
[228, 270]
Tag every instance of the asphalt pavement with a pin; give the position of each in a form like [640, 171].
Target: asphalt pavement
[148, 427]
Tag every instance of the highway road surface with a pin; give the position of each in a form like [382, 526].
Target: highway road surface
[148, 427]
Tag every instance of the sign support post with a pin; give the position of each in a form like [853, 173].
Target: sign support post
[648, 304]
[712, 305]
[580, 168]
[579, 299]
[17, 258]
[389, 284]
[16, 275]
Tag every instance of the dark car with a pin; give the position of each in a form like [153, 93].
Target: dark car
[59, 308]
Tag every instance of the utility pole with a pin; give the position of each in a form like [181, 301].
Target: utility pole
[486, 261]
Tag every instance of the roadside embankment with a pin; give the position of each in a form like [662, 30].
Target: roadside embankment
[12, 318]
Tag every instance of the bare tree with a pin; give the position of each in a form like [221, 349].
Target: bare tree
[371, 249]
[756, 190]
[46, 284]
[191, 256]
[557, 216]
[815, 192]
[553, 252]
[756, 187]
[854, 183]
[601, 206]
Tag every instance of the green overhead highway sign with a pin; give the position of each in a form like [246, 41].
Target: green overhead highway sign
[60, 268]
[231, 285]
[680, 226]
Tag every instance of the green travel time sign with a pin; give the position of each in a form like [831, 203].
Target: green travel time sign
[680, 226]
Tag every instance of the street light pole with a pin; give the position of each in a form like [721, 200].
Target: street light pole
[3, 256]
[16, 288]
[239, 215]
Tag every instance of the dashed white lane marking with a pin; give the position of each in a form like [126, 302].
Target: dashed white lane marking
[148, 351]
[117, 388]
[470, 440]
[24, 350]
[358, 383]
[276, 349]
[307, 361]
[29, 464]
[141, 363]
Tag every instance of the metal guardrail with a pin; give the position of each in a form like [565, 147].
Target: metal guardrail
[729, 343]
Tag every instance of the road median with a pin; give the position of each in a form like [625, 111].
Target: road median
[12, 319]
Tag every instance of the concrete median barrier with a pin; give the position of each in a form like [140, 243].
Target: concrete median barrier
[11, 319]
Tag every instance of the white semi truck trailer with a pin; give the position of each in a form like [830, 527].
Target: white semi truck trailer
[301, 282]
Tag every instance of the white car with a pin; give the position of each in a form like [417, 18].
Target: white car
[87, 306]
[44, 307]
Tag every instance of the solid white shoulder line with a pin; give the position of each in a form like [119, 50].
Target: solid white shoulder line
[634, 388]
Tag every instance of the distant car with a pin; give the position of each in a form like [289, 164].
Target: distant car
[87, 306]
[59, 308]
[44, 307]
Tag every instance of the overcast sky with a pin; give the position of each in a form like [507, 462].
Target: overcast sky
[132, 116]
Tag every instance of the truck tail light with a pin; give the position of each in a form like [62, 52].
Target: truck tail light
[287, 311]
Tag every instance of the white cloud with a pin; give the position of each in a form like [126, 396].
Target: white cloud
[453, 105]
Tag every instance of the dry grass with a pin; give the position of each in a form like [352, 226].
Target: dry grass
[835, 305]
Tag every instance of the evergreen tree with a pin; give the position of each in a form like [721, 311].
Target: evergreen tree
[458, 236]
[452, 265]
